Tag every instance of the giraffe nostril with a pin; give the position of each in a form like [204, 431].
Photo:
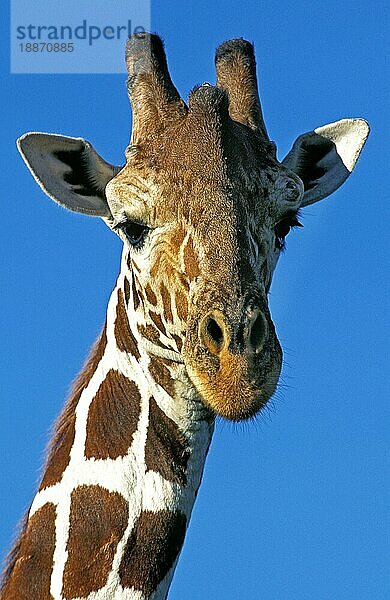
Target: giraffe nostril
[214, 331]
[257, 332]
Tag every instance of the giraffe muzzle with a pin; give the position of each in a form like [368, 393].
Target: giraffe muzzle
[233, 358]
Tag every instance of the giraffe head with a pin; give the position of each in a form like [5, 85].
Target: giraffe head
[203, 207]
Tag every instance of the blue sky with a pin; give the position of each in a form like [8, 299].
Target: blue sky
[292, 507]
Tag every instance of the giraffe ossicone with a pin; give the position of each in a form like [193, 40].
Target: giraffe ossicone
[203, 207]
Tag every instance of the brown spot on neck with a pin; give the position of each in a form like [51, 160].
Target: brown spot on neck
[178, 341]
[151, 296]
[125, 339]
[98, 520]
[113, 417]
[152, 334]
[166, 448]
[158, 322]
[151, 550]
[136, 297]
[161, 375]
[126, 288]
[28, 577]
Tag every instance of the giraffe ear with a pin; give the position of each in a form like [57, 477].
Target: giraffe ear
[69, 171]
[325, 157]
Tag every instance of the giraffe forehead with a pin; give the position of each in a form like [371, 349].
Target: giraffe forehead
[198, 167]
[159, 198]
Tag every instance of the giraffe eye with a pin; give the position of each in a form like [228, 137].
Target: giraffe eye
[283, 228]
[135, 233]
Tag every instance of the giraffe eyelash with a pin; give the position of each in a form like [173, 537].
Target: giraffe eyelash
[135, 232]
[283, 228]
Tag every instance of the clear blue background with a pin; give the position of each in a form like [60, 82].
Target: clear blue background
[295, 506]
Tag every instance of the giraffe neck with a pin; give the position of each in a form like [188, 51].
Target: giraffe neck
[121, 477]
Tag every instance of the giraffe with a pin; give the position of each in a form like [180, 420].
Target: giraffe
[203, 208]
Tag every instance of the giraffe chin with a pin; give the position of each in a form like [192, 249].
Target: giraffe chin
[238, 387]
